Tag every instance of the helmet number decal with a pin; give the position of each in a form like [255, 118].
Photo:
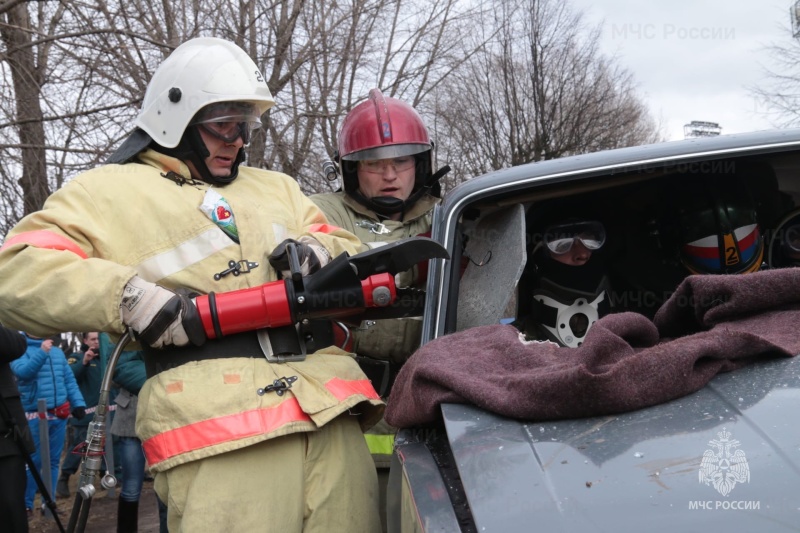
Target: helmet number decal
[259, 76]
[731, 250]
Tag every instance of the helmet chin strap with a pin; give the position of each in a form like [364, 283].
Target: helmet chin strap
[389, 205]
[383, 205]
[192, 148]
[198, 156]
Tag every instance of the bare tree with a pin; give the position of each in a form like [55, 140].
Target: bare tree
[27, 64]
[779, 92]
[79, 70]
[340, 52]
[540, 90]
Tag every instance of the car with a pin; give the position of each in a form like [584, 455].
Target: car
[726, 456]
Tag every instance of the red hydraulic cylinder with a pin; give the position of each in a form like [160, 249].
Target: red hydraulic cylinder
[268, 306]
[265, 306]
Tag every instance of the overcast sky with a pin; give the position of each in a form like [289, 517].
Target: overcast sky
[694, 59]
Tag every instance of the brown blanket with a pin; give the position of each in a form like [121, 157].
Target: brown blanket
[711, 324]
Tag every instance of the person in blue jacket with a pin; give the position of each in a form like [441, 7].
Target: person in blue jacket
[43, 373]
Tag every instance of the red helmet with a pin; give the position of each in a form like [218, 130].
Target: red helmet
[383, 128]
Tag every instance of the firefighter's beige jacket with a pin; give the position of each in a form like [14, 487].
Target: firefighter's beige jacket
[64, 269]
[394, 339]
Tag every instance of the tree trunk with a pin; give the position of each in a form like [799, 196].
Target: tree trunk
[27, 88]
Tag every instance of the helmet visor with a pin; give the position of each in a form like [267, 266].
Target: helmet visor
[560, 238]
[379, 166]
[229, 120]
[389, 151]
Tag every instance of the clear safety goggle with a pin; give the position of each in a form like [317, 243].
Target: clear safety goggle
[379, 166]
[560, 238]
[228, 122]
[229, 131]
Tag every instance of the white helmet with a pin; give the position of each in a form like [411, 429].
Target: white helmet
[199, 72]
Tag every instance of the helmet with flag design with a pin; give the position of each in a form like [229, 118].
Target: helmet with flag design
[719, 230]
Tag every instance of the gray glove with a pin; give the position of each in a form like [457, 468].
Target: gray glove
[159, 316]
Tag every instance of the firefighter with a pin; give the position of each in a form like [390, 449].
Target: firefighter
[385, 161]
[236, 442]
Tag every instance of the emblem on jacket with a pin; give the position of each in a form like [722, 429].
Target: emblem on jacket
[217, 208]
[724, 466]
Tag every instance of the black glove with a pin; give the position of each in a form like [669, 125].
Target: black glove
[311, 255]
[78, 413]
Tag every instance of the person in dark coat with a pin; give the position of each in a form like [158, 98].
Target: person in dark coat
[13, 432]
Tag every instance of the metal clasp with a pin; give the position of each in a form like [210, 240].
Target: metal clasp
[236, 267]
[365, 325]
[378, 228]
[279, 386]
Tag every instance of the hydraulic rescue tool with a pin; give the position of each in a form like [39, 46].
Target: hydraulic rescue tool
[349, 288]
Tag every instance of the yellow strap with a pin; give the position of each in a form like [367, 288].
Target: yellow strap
[380, 444]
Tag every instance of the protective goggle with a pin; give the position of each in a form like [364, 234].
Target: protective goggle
[229, 120]
[560, 238]
[379, 166]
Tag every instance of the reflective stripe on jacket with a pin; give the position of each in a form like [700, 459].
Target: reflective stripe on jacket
[221, 409]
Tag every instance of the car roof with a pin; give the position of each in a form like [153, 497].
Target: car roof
[638, 158]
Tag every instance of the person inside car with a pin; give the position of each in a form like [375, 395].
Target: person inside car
[686, 226]
[569, 282]
[719, 231]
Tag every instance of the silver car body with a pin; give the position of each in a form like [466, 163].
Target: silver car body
[638, 471]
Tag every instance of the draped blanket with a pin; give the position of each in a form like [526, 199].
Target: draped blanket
[711, 324]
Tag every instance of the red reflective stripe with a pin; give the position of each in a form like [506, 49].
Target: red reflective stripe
[45, 239]
[221, 429]
[323, 228]
[344, 389]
